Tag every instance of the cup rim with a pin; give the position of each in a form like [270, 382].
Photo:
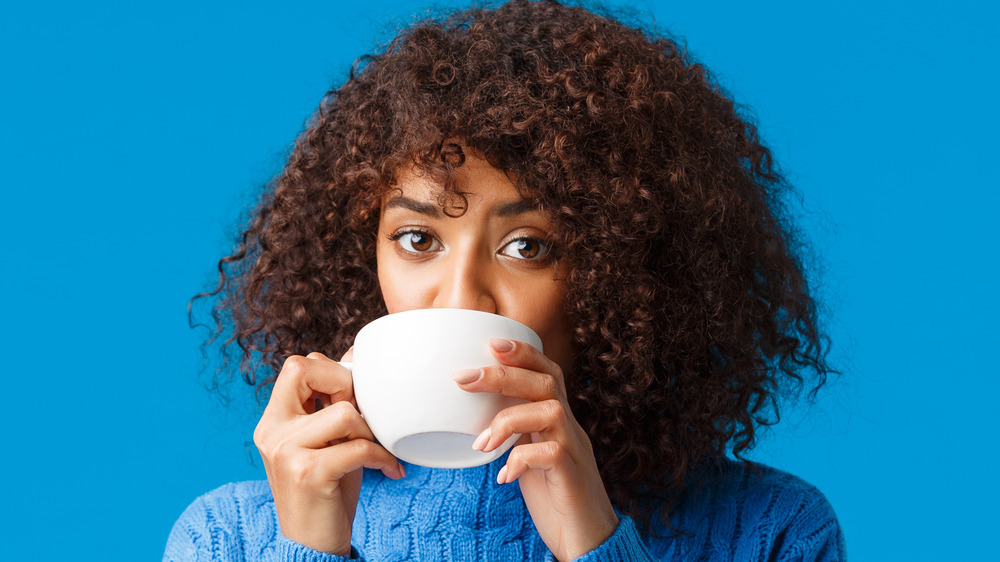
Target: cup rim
[446, 310]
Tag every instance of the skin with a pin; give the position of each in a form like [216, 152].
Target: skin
[492, 258]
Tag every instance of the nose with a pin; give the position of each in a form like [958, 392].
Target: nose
[468, 283]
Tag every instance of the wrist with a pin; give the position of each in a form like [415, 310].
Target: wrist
[591, 538]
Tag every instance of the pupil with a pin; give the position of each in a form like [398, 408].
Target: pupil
[420, 242]
[527, 248]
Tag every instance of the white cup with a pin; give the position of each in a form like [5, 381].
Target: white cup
[402, 367]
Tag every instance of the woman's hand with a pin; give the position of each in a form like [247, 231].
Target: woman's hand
[313, 458]
[554, 459]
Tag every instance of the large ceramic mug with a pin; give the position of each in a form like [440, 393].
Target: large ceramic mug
[402, 369]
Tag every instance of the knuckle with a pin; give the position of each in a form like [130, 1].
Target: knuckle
[299, 469]
[503, 370]
[501, 377]
[294, 366]
[260, 435]
[342, 412]
[516, 457]
[553, 411]
[554, 450]
[282, 452]
[362, 448]
[501, 422]
[549, 386]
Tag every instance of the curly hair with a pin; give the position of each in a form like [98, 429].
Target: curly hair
[691, 307]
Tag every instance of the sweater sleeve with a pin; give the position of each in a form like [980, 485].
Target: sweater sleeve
[625, 545]
[291, 551]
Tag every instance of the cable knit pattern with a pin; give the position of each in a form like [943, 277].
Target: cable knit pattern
[735, 512]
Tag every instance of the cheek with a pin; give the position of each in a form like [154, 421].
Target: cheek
[402, 287]
[388, 292]
[391, 293]
[545, 313]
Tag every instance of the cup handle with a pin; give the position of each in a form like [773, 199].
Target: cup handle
[349, 365]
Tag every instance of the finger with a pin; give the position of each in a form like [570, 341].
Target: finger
[340, 421]
[335, 462]
[302, 379]
[325, 399]
[548, 419]
[511, 381]
[549, 456]
[521, 354]
[524, 372]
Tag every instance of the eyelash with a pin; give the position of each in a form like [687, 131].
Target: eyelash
[397, 236]
[543, 257]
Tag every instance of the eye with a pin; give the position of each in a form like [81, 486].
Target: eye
[527, 248]
[416, 241]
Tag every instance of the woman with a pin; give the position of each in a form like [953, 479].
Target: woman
[547, 164]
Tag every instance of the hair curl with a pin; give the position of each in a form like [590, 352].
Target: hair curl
[691, 308]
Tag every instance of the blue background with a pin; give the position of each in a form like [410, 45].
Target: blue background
[134, 137]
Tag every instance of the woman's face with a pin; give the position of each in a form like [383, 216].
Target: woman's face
[493, 258]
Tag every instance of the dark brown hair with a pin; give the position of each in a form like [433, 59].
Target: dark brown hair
[687, 290]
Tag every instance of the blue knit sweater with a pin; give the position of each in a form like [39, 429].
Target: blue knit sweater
[731, 512]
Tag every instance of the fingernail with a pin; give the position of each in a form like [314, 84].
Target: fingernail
[467, 375]
[502, 475]
[482, 440]
[402, 470]
[502, 346]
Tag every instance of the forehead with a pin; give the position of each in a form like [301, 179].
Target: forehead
[473, 175]
[473, 184]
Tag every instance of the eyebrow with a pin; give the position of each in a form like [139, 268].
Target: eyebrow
[516, 208]
[505, 210]
[421, 207]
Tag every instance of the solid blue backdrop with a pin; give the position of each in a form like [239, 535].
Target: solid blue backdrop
[135, 135]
